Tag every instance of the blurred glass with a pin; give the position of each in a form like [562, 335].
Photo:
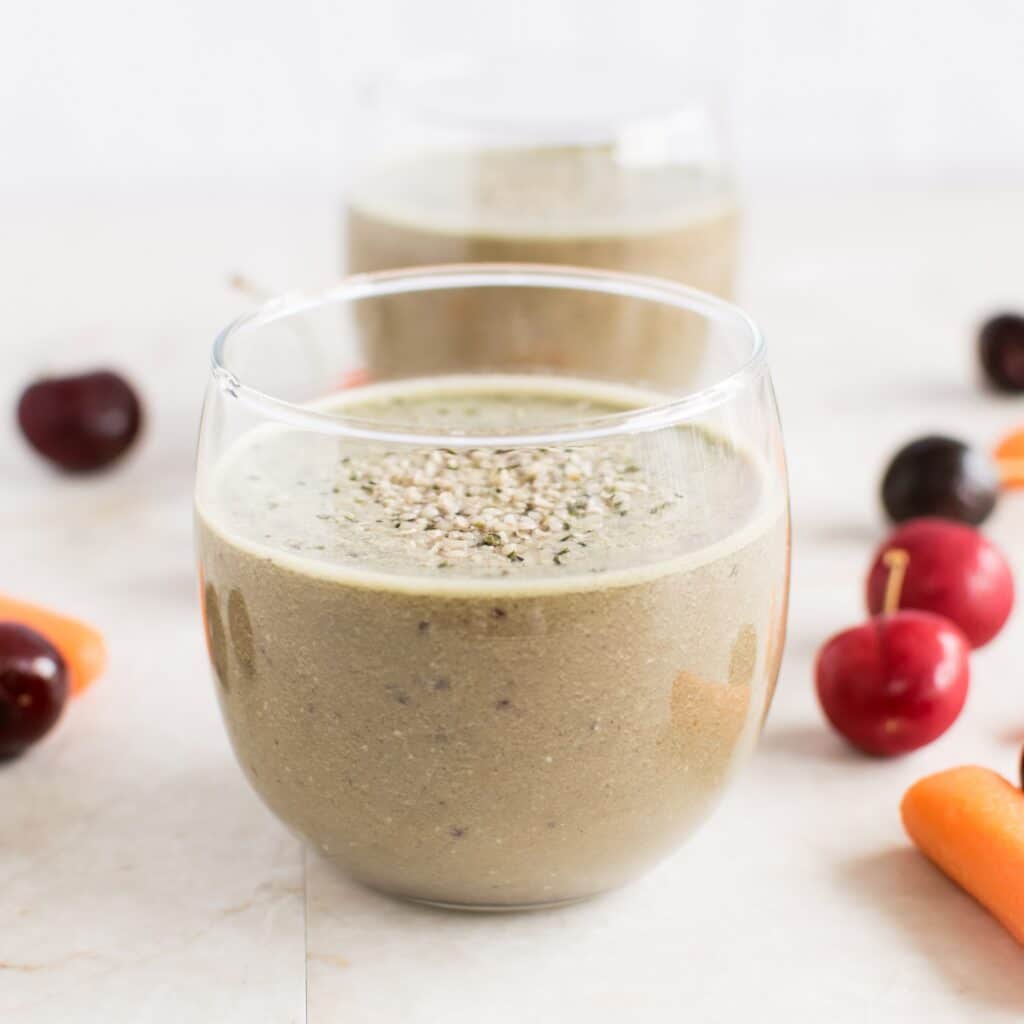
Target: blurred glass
[552, 161]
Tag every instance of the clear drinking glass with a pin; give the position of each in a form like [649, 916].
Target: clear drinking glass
[491, 637]
[539, 160]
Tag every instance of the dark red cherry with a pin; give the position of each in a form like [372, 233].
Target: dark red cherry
[81, 423]
[952, 570]
[1001, 350]
[940, 476]
[33, 687]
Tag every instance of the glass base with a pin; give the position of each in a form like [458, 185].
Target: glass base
[497, 908]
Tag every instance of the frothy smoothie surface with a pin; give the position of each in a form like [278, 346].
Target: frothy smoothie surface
[507, 513]
[543, 192]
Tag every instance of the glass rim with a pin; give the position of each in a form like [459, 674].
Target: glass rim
[405, 89]
[644, 419]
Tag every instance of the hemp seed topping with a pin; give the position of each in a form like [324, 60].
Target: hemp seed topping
[522, 505]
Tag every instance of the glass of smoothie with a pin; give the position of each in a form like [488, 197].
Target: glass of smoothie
[498, 636]
[552, 161]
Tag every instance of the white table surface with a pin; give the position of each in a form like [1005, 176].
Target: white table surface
[142, 881]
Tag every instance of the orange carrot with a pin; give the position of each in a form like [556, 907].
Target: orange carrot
[81, 646]
[970, 822]
[1009, 456]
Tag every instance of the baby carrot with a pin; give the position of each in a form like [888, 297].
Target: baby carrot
[970, 822]
[81, 646]
[1009, 456]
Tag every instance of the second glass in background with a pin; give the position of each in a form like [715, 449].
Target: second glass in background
[538, 161]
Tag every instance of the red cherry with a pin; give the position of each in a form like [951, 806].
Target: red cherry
[952, 571]
[895, 683]
[33, 687]
[80, 423]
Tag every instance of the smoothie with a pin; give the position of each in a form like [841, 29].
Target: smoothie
[486, 676]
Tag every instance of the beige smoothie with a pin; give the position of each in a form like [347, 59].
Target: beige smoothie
[491, 677]
[572, 205]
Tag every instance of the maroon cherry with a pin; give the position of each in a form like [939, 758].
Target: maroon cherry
[897, 682]
[1001, 350]
[81, 423]
[953, 571]
[33, 687]
[940, 476]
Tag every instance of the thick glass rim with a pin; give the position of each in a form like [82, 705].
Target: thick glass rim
[409, 90]
[656, 416]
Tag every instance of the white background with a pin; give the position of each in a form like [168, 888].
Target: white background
[820, 91]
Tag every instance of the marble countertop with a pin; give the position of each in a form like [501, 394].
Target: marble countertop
[141, 880]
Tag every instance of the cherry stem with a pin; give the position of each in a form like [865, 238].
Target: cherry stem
[896, 561]
[248, 287]
[251, 290]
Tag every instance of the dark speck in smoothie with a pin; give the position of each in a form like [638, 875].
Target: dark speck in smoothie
[442, 684]
[424, 626]
[503, 704]
[500, 613]
[457, 832]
